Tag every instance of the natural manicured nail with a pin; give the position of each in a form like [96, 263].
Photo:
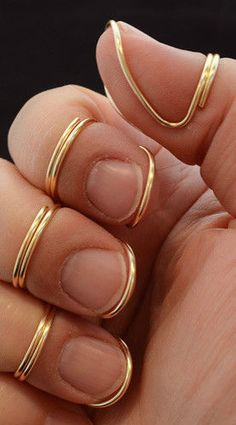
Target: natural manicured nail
[127, 28]
[92, 366]
[95, 278]
[115, 188]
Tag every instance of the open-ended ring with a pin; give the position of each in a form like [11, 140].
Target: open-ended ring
[200, 94]
[68, 137]
[65, 142]
[130, 285]
[32, 354]
[35, 348]
[114, 398]
[142, 207]
[29, 244]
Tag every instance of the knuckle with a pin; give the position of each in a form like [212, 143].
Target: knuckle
[47, 106]
[20, 124]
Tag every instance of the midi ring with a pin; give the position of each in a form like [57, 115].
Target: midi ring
[65, 142]
[130, 285]
[29, 244]
[114, 398]
[32, 354]
[199, 98]
[142, 207]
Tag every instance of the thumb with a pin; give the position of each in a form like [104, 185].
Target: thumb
[168, 78]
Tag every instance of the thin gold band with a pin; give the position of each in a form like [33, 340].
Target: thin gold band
[130, 285]
[68, 137]
[199, 97]
[147, 191]
[123, 388]
[29, 244]
[32, 354]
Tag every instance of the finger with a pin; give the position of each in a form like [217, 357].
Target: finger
[102, 160]
[190, 307]
[54, 110]
[68, 364]
[193, 345]
[172, 181]
[168, 77]
[23, 405]
[76, 264]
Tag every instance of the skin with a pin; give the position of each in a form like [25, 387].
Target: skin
[180, 325]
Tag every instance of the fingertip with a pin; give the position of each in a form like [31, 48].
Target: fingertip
[157, 68]
[154, 85]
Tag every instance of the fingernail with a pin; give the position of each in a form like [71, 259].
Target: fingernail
[127, 28]
[92, 366]
[95, 278]
[63, 417]
[115, 188]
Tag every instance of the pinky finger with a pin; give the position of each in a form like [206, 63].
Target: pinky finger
[23, 405]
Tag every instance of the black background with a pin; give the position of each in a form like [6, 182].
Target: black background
[51, 43]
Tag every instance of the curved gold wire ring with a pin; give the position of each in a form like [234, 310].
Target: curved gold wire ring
[68, 137]
[29, 244]
[147, 191]
[130, 285]
[114, 398]
[199, 97]
[32, 354]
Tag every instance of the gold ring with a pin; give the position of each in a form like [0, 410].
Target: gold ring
[68, 137]
[147, 191]
[130, 285]
[32, 354]
[123, 388]
[199, 97]
[29, 244]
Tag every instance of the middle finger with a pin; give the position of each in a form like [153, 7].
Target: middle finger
[76, 264]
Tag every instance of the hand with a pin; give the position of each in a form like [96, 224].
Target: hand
[180, 325]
